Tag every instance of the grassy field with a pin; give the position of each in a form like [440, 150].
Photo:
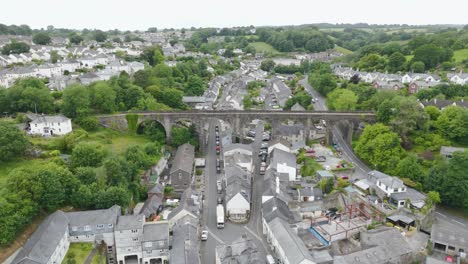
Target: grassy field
[460, 55]
[343, 50]
[264, 47]
[80, 251]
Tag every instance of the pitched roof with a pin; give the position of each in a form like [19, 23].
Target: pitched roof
[189, 201]
[36, 118]
[185, 242]
[184, 158]
[128, 222]
[293, 247]
[241, 251]
[43, 242]
[155, 231]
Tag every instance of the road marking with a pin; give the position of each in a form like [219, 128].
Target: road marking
[216, 237]
[253, 234]
[458, 222]
[441, 215]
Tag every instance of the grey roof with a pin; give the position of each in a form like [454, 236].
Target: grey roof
[190, 201]
[271, 184]
[128, 222]
[155, 231]
[287, 130]
[241, 251]
[325, 174]
[293, 247]
[36, 118]
[184, 158]
[297, 107]
[237, 146]
[411, 194]
[185, 242]
[157, 189]
[389, 181]
[381, 246]
[193, 99]
[281, 156]
[94, 217]
[403, 218]
[237, 181]
[89, 75]
[277, 208]
[151, 206]
[43, 242]
[449, 233]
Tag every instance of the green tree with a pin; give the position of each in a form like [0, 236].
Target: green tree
[453, 123]
[75, 38]
[76, 101]
[86, 175]
[15, 48]
[431, 55]
[432, 111]
[195, 86]
[13, 143]
[410, 168]
[112, 196]
[102, 97]
[179, 136]
[88, 123]
[54, 56]
[138, 157]
[409, 117]
[29, 95]
[267, 65]
[372, 62]
[418, 66]
[380, 147]
[87, 155]
[100, 36]
[432, 198]
[450, 181]
[119, 171]
[41, 38]
[323, 83]
[342, 100]
[396, 62]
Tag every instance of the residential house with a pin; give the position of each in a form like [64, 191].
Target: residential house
[442, 104]
[416, 86]
[447, 152]
[386, 183]
[277, 185]
[128, 232]
[309, 193]
[387, 85]
[190, 204]
[238, 155]
[285, 243]
[154, 204]
[238, 192]
[383, 245]
[295, 134]
[185, 241]
[48, 125]
[284, 163]
[458, 78]
[69, 65]
[279, 144]
[51, 240]
[88, 78]
[182, 167]
[155, 242]
[281, 92]
[242, 250]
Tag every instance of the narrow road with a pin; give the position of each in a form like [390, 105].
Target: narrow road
[361, 168]
[231, 231]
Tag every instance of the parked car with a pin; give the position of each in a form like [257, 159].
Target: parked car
[204, 235]
[344, 177]
[264, 145]
[321, 159]
[310, 151]
[262, 152]
[220, 200]
[216, 128]
[264, 157]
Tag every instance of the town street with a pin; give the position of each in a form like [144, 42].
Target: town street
[231, 231]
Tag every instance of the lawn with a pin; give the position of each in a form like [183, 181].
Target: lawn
[264, 47]
[78, 251]
[460, 55]
[343, 50]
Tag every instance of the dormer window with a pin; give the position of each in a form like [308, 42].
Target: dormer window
[99, 226]
[110, 225]
[87, 228]
[74, 228]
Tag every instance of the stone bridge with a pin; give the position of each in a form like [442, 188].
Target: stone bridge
[240, 118]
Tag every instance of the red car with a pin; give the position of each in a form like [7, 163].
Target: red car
[344, 177]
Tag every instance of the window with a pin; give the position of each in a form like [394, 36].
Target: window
[87, 228]
[134, 231]
[110, 225]
[386, 188]
[135, 239]
[58, 124]
[74, 228]
[161, 243]
[451, 248]
[99, 226]
[148, 244]
[402, 202]
[395, 190]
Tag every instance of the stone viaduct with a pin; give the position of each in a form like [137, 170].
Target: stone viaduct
[346, 121]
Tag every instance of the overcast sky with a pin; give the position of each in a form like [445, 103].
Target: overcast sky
[141, 14]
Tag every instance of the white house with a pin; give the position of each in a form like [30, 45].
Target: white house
[458, 78]
[128, 231]
[284, 162]
[386, 183]
[48, 125]
[238, 189]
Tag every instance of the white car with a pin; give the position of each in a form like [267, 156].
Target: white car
[204, 235]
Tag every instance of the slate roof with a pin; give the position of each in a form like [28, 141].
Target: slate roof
[184, 158]
[128, 222]
[450, 233]
[237, 181]
[277, 208]
[185, 241]
[36, 118]
[43, 242]
[155, 231]
[190, 201]
[241, 251]
[293, 247]
[281, 156]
